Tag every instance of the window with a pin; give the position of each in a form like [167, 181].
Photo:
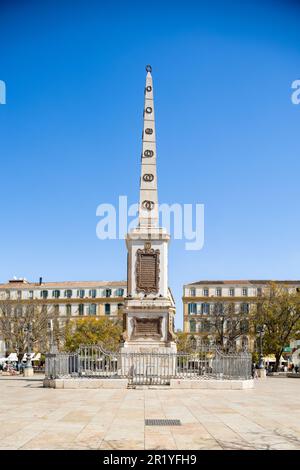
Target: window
[56, 309]
[192, 326]
[56, 294]
[81, 310]
[205, 292]
[19, 294]
[44, 294]
[8, 294]
[92, 309]
[30, 294]
[259, 291]
[107, 292]
[245, 308]
[81, 293]
[120, 306]
[205, 309]
[192, 308]
[219, 309]
[120, 292]
[107, 309]
[231, 292]
[193, 292]
[93, 293]
[68, 310]
[218, 292]
[245, 291]
[68, 293]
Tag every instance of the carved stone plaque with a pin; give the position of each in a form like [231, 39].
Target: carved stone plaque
[147, 270]
[146, 327]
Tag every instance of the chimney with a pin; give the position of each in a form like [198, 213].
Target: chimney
[41, 281]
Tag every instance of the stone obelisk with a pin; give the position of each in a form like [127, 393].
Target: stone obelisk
[149, 308]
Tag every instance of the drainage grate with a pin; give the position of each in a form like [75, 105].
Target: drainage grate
[162, 422]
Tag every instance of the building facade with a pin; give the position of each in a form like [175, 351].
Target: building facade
[67, 299]
[203, 298]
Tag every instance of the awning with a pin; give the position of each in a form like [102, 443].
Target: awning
[24, 358]
[37, 357]
[272, 358]
[12, 357]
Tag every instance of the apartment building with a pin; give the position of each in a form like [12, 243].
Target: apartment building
[202, 297]
[68, 299]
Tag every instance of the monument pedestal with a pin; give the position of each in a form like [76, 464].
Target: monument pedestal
[149, 326]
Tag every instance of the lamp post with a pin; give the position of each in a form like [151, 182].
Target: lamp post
[53, 347]
[28, 370]
[260, 330]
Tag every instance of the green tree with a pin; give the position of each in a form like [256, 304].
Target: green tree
[278, 312]
[185, 342]
[89, 331]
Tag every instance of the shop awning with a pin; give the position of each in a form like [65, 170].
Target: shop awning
[272, 358]
[13, 357]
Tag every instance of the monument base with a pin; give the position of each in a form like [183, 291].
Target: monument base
[149, 347]
[145, 359]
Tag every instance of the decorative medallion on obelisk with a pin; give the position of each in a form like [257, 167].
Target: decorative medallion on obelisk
[147, 269]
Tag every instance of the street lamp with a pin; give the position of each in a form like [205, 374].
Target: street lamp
[260, 331]
[28, 331]
[53, 347]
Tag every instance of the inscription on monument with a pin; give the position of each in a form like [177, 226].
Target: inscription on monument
[147, 269]
[147, 327]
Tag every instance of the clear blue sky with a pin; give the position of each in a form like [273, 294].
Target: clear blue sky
[228, 134]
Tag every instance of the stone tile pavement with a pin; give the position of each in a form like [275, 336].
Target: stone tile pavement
[31, 417]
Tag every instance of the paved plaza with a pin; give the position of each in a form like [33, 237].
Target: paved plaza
[267, 417]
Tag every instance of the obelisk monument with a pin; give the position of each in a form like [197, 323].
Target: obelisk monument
[149, 307]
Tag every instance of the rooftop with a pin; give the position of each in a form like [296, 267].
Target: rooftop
[23, 284]
[241, 282]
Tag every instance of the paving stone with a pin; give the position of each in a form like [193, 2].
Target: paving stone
[36, 418]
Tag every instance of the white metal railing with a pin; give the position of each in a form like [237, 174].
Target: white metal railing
[149, 368]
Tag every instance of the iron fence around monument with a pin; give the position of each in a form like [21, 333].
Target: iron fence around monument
[150, 368]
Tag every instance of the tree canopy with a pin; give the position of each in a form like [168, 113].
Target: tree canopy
[88, 331]
[278, 313]
[185, 342]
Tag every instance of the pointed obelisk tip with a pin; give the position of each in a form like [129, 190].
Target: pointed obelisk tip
[148, 68]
